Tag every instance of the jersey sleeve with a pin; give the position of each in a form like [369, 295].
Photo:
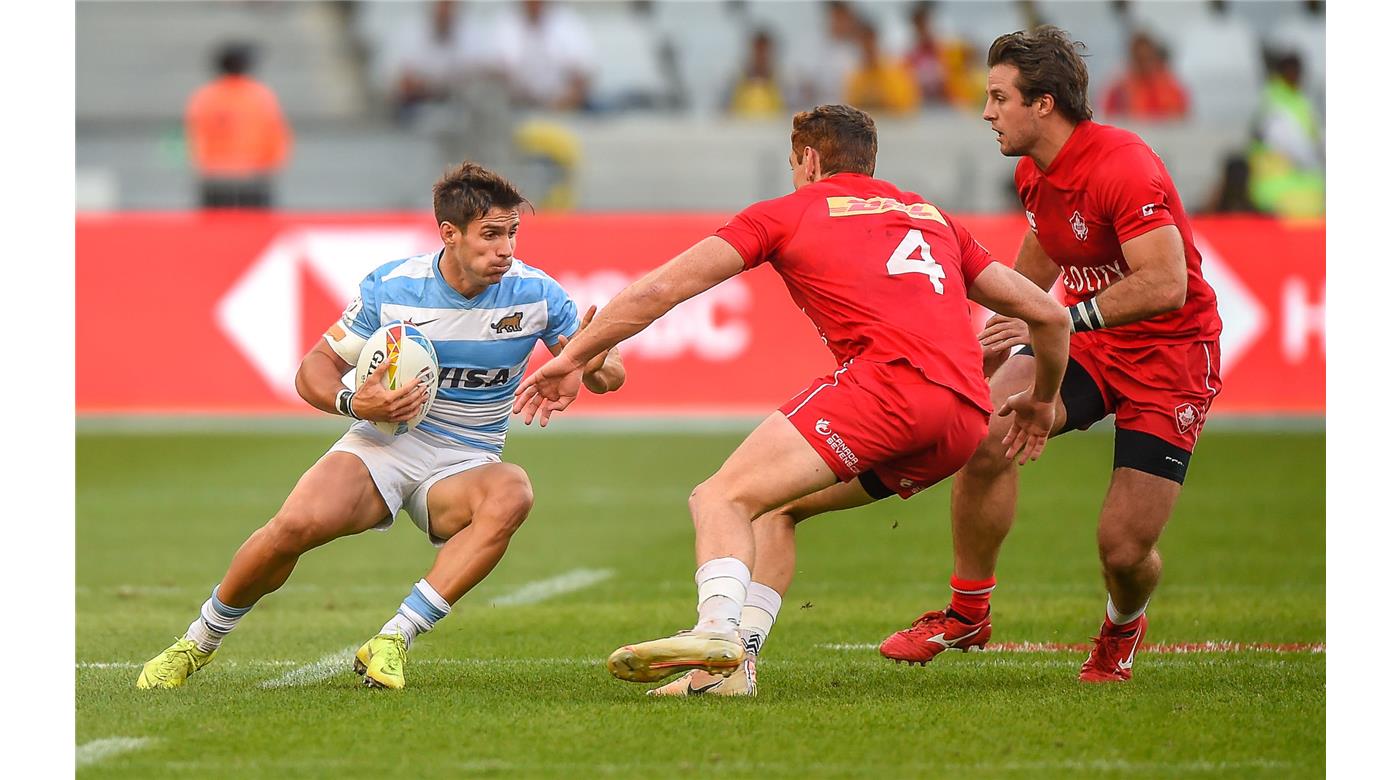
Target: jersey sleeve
[759, 231]
[563, 314]
[357, 323]
[974, 257]
[1132, 192]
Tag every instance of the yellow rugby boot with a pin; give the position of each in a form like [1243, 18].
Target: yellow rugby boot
[717, 653]
[174, 665]
[696, 682]
[381, 659]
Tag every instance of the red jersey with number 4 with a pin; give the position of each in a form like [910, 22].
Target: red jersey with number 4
[1106, 186]
[882, 273]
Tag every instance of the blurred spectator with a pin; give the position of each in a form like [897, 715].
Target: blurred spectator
[880, 83]
[237, 135]
[430, 56]
[756, 92]
[943, 67]
[548, 53]
[834, 57]
[1148, 90]
[1306, 34]
[1231, 195]
[1285, 158]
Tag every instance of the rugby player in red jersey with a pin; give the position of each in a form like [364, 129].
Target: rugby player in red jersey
[1106, 219]
[886, 278]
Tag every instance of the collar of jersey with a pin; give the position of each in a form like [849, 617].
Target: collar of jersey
[1076, 136]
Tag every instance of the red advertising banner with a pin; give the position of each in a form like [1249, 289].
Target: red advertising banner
[238, 299]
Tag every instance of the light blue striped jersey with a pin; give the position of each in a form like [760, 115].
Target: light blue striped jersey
[482, 343]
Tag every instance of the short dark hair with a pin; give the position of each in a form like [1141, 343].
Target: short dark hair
[1049, 64]
[844, 137]
[468, 191]
[234, 58]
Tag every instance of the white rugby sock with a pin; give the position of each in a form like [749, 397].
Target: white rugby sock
[216, 619]
[1123, 618]
[760, 613]
[723, 584]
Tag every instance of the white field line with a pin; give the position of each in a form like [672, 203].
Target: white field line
[540, 590]
[250, 664]
[101, 749]
[323, 668]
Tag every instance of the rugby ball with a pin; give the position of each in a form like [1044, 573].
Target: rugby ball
[410, 354]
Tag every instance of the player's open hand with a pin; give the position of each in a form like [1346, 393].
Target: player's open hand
[373, 401]
[1031, 423]
[550, 389]
[1002, 333]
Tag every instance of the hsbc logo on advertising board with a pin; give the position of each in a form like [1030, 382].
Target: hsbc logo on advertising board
[262, 313]
[712, 326]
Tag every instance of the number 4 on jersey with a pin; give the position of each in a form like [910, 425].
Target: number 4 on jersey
[904, 262]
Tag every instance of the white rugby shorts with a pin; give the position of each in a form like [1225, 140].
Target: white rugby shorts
[404, 468]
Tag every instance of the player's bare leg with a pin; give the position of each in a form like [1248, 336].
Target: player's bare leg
[773, 466]
[775, 551]
[335, 497]
[477, 512]
[1135, 512]
[984, 491]
[984, 509]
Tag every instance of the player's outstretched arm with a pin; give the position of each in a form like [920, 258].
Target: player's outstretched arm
[604, 373]
[318, 382]
[1009, 293]
[556, 384]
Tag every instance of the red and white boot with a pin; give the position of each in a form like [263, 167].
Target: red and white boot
[933, 633]
[1111, 660]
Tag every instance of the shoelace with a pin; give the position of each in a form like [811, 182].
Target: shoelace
[928, 617]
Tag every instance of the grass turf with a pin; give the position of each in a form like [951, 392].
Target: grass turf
[519, 690]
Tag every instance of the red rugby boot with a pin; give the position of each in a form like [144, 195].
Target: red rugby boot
[933, 633]
[1111, 660]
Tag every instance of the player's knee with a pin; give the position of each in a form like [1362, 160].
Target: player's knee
[510, 503]
[1123, 553]
[711, 495]
[989, 459]
[291, 532]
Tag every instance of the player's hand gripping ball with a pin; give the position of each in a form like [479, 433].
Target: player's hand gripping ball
[409, 354]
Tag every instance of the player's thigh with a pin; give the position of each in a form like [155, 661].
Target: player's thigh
[1135, 512]
[842, 495]
[496, 492]
[773, 465]
[1079, 404]
[335, 497]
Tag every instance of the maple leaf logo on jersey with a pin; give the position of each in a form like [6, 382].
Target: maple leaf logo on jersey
[1186, 417]
[1081, 228]
[823, 427]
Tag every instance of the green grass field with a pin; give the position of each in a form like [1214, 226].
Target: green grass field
[512, 683]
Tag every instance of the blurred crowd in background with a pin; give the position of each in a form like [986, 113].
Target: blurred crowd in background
[532, 86]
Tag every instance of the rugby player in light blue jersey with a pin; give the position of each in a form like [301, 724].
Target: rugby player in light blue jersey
[483, 310]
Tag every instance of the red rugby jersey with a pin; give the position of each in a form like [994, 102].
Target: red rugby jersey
[882, 274]
[1107, 186]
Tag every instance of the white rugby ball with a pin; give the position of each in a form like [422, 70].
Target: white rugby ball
[410, 354]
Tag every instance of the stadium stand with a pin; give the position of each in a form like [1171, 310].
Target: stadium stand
[330, 63]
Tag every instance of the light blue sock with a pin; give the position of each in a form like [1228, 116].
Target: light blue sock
[419, 612]
[216, 619]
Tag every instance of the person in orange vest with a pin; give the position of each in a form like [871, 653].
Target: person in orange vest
[237, 135]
